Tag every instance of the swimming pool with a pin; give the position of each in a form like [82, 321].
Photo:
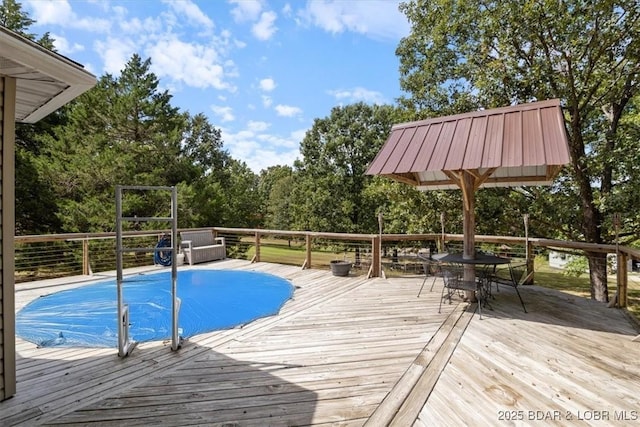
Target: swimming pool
[210, 300]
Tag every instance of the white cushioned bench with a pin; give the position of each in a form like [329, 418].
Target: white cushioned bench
[201, 246]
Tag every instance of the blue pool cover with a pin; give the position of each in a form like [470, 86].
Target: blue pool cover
[210, 300]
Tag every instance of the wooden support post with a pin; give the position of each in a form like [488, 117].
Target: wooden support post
[622, 278]
[7, 233]
[530, 264]
[375, 257]
[85, 257]
[620, 299]
[441, 239]
[256, 257]
[308, 241]
[469, 228]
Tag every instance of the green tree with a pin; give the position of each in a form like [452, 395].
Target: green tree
[243, 201]
[14, 18]
[406, 209]
[35, 200]
[124, 131]
[276, 185]
[336, 152]
[36, 203]
[227, 198]
[279, 204]
[463, 55]
[203, 146]
[624, 194]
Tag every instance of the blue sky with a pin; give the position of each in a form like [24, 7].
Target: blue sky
[261, 70]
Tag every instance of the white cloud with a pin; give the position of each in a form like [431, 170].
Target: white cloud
[246, 10]
[287, 10]
[379, 19]
[58, 12]
[261, 150]
[239, 44]
[265, 28]
[298, 135]
[267, 85]
[256, 126]
[358, 94]
[278, 143]
[115, 53]
[119, 11]
[225, 113]
[224, 43]
[51, 12]
[176, 62]
[63, 46]
[191, 12]
[136, 27]
[266, 101]
[131, 26]
[194, 64]
[287, 110]
[263, 159]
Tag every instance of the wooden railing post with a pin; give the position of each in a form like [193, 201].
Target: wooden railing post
[256, 257]
[622, 279]
[375, 257]
[307, 258]
[530, 263]
[85, 257]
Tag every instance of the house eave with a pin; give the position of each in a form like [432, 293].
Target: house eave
[45, 80]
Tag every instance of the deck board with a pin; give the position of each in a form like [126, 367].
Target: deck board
[347, 351]
[568, 358]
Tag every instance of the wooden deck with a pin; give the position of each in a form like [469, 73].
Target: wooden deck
[351, 352]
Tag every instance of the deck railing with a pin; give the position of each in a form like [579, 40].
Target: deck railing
[57, 255]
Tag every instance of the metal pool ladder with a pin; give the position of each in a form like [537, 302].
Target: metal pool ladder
[125, 345]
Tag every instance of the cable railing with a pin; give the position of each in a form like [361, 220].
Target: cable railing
[60, 255]
[306, 249]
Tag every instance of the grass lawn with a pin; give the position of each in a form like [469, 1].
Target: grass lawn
[279, 251]
[554, 279]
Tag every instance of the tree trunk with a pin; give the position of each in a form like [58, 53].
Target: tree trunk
[592, 218]
[598, 271]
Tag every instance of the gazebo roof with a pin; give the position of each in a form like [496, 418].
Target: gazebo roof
[524, 144]
[45, 80]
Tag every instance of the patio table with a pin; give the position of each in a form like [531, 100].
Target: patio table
[488, 261]
[479, 259]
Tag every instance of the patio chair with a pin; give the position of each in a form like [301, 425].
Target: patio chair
[514, 276]
[431, 269]
[485, 273]
[453, 277]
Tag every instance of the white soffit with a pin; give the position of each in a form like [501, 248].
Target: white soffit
[45, 80]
